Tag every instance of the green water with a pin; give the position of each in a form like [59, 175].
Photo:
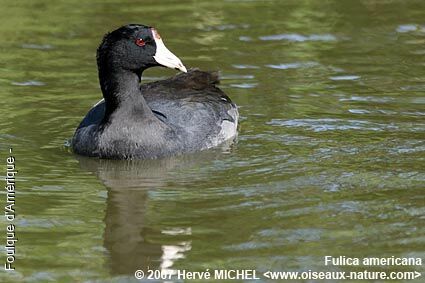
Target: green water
[329, 160]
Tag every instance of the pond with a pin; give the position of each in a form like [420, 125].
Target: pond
[329, 160]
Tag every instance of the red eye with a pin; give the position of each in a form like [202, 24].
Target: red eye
[140, 42]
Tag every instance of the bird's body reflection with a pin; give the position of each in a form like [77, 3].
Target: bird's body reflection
[136, 236]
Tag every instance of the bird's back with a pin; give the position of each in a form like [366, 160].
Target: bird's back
[198, 112]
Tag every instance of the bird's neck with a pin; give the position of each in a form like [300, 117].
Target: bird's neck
[121, 89]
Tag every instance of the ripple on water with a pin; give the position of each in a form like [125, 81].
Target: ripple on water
[294, 37]
[359, 111]
[368, 99]
[177, 231]
[420, 87]
[244, 85]
[295, 65]
[409, 28]
[227, 27]
[42, 276]
[245, 38]
[269, 238]
[345, 78]
[416, 113]
[330, 124]
[408, 147]
[242, 66]
[235, 77]
[37, 46]
[29, 83]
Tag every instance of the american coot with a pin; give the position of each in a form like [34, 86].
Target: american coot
[181, 114]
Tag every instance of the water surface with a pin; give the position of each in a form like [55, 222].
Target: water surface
[329, 160]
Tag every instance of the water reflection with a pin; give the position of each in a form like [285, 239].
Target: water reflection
[135, 235]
